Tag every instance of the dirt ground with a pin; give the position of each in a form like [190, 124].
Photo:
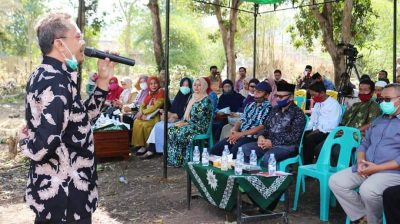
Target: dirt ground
[145, 198]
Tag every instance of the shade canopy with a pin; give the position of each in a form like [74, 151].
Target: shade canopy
[264, 1]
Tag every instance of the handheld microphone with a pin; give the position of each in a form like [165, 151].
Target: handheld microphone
[92, 52]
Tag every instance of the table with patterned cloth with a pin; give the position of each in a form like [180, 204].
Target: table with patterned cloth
[223, 189]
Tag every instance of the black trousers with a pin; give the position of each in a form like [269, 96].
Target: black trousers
[391, 201]
[87, 220]
[310, 145]
[219, 147]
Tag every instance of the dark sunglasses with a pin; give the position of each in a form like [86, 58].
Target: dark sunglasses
[252, 86]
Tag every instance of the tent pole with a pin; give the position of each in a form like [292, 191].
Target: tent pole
[255, 40]
[394, 38]
[167, 12]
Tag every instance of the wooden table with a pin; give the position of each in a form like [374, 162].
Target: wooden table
[112, 144]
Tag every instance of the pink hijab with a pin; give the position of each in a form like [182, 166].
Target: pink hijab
[271, 97]
[114, 90]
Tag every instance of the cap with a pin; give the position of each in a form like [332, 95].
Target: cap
[264, 86]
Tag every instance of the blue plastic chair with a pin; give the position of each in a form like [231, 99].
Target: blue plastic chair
[323, 170]
[284, 164]
[300, 102]
[202, 137]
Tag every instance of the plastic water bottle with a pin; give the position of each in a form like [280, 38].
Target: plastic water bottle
[239, 162]
[196, 155]
[224, 159]
[272, 165]
[240, 155]
[205, 157]
[253, 158]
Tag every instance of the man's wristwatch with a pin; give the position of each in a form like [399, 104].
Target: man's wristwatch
[23, 142]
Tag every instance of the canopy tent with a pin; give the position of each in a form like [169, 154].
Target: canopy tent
[256, 13]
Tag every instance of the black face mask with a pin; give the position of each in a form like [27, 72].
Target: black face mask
[228, 93]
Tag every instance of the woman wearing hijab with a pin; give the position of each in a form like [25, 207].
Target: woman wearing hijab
[175, 114]
[212, 95]
[126, 95]
[245, 91]
[231, 99]
[272, 99]
[148, 114]
[114, 90]
[196, 120]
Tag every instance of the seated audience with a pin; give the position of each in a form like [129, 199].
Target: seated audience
[230, 99]
[114, 90]
[239, 84]
[175, 114]
[126, 95]
[379, 85]
[215, 79]
[327, 83]
[212, 95]
[148, 114]
[196, 120]
[391, 201]
[282, 131]
[251, 122]
[325, 116]
[377, 168]
[383, 76]
[272, 98]
[245, 90]
[252, 88]
[278, 77]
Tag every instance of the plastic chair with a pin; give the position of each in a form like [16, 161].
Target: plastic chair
[323, 170]
[201, 137]
[284, 164]
[332, 93]
[300, 101]
[300, 92]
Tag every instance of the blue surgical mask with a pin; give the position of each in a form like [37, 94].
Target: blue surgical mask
[71, 63]
[282, 103]
[388, 108]
[184, 90]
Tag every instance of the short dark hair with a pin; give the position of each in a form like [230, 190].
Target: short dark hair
[317, 87]
[277, 71]
[254, 80]
[365, 76]
[316, 76]
[386, 74]
[243, 68]
[213, 66]
[396, 86]
[369, 82]
[308, 67]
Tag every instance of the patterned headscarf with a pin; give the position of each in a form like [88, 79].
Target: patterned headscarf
[155, 95]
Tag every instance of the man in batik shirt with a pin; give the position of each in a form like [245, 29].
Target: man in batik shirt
[283, 128]
[57, 138]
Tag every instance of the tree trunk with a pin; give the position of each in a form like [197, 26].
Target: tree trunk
[228, 30]
[157, 35]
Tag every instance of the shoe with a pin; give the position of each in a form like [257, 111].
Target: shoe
[147, 155]
[141, 151]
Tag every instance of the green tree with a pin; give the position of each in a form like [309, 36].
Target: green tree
[333, 23]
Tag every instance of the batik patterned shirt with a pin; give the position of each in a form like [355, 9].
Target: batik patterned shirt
[62, 175]
[361, 114]
[254, 115]
[285, 128]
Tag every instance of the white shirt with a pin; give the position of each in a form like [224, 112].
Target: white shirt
[325, 116]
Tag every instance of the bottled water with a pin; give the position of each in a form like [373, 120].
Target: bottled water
[196, 155]
[205, 158]
[239, 162]
[224, 158]
[253, 158]
[240, 155]
[271, 165]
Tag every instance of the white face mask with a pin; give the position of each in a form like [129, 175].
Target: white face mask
[143, 86]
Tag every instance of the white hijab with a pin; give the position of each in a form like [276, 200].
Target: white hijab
[196, 97]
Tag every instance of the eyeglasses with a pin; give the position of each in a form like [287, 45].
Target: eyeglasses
[252, 86]
[281, 96]
[389, 99]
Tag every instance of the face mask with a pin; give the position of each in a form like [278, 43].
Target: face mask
[71, 63]
[388, 108]
[318, 98]
[184, 90]
[364, 97]
[251, 94]
[228, 93]
[283, 103]
[113, 86]
[378, 95]
[143, 86]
